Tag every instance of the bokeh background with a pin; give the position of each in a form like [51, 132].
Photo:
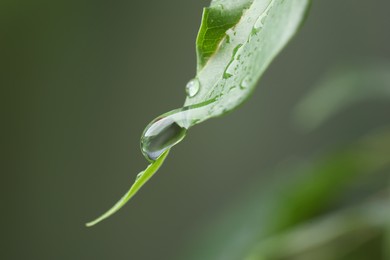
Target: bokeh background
[81, 80]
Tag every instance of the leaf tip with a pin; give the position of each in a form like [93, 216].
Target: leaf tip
[95, 221]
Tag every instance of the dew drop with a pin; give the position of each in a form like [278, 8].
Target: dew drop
[245, 83]
[231, 67]
[227, 74]
[230, 35]
[259, 23]
[139, 175]
[170, 128]
[160, 135]
[192, 87]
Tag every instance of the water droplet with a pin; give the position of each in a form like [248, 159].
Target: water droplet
[227, 74]
[259, 23]
[229, 71]
[160, 135]
[170, 128]
[236, 50]
[139, 175]
[245, 83]
[227, 39]
[229, 35]
[220, 7]
[192, 87]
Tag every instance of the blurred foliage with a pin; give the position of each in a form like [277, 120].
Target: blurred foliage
[343, 87]
[332, 206]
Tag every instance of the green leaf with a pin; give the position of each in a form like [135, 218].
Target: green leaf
[240, 58]
[243, 54]
[141, 179]
[343, 87]
[216, 20]
[237, 41]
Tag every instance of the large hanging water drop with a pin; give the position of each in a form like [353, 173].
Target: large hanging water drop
[192, 87]
[160, 135]
[170, 128]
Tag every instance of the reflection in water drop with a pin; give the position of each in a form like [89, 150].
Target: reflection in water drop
[169, 129]
[192, 87]
[161, 135]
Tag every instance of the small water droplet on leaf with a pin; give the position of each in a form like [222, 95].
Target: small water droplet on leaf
[231, 67]
[245, 83]
[192, 87]
[259, 23]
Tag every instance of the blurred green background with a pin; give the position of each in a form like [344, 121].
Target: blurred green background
[80, 81]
